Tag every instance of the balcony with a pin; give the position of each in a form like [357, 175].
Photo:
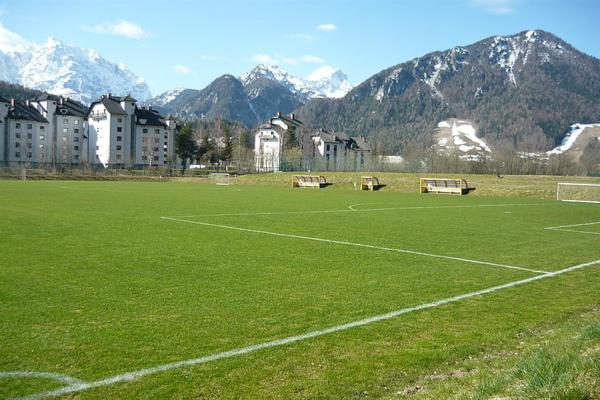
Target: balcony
[98, 115]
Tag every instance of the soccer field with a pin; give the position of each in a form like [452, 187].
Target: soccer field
[188, 290]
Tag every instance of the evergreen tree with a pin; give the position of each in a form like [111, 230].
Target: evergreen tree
[185, 145]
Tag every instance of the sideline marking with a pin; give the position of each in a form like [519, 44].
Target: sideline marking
[133, 375]
[369, 246]
[357, 210]
[561, 228]
[43, 375]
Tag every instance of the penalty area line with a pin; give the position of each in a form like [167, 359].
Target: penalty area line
[130, 376]
[341, 242]
[351, 208]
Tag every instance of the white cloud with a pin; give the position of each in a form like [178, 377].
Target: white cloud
[303, 36]
[311, 59]
[327, 27]
[181, 69]
[499, 7]
[11, 42]
[265, 59]
[121, 28]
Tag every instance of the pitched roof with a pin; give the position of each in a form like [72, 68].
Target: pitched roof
[69, 107]
[327, 137]
[149, 117]
[46, 96]
[361, 143]
[24, 112]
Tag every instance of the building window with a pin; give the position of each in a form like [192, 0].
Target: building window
[76, 122]
[17, 154]
[42, 155]
[17, 145]
[29, 126]
[119, 138]
[156, 140]
[29, 155]
[144, 158]
[157, 131]
[76, 148]
[76, 139]
[144, 130]
[29, 136]
[155, 158]
[327, 148]
[76, 156]
[118, 156]
[18, 135]
[119, 147]
[42, 127]
[120, 120]
[76, 130]
[18, 125]
[42, 137]
[29, 146]
[97, 147]
[65, 130]
[66, 121]
[41, 146]
[119, 129]
[64, 138]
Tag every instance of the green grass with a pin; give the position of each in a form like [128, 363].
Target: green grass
[93, 283]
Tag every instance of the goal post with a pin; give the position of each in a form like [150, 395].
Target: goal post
[578, 192]
[220, 178]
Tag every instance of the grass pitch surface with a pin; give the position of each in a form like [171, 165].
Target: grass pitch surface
[96, 283]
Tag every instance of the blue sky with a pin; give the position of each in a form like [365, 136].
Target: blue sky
[189, 43]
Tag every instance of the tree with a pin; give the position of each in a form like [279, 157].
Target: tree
[185, 145]
[227, 151]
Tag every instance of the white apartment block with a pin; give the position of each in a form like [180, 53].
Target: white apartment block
[26, 137]
[68, 128]
[124, 134]
[336, 151]
[268, 141]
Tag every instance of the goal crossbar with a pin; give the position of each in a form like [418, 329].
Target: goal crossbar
[220, 178]
[578, 192]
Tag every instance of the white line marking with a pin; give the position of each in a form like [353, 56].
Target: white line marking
[575, 231]
[130, 376]
[570, 226]
[44, 375]
[357, 210]
[369, 246]
[562, 228]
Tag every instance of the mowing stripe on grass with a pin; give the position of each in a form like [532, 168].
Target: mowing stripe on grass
[130, 376]
[42, 375]
[351, 208]
[369, 246]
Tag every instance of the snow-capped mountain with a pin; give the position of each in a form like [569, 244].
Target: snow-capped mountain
[165, 98]
[62, 69]
[524, 89]
[324, 82]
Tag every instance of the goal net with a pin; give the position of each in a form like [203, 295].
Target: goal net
[578, 192]
[220, 178]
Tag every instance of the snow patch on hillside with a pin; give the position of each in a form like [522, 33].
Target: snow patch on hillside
[461, 135]
[571, 137]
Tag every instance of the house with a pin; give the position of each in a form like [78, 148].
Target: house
[336, 151]
[269, 141]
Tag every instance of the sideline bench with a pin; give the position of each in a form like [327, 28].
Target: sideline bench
[369, 183]
[444, 186]
[309, 181]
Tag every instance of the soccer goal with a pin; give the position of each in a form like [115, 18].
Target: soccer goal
[578, 192]
[219, 178]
